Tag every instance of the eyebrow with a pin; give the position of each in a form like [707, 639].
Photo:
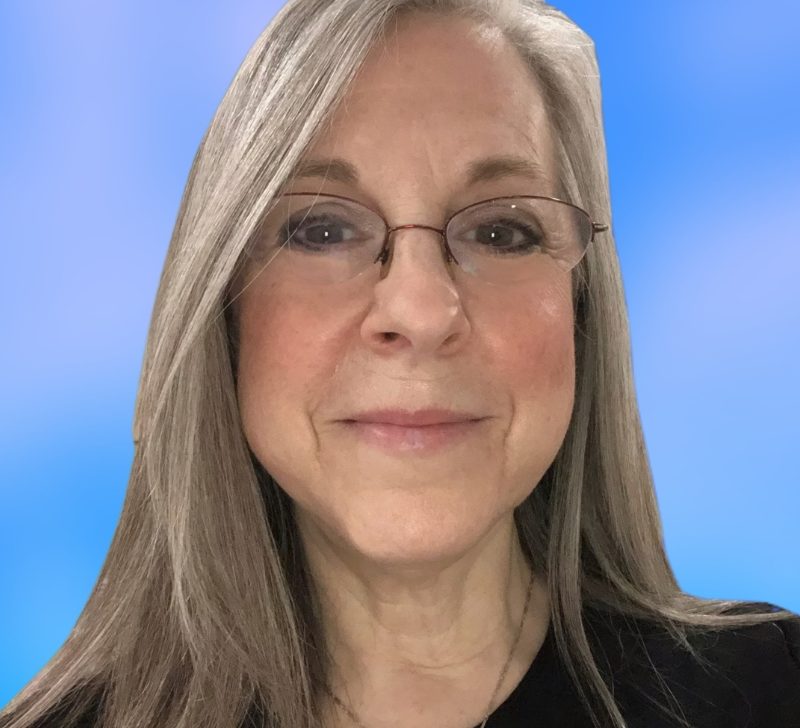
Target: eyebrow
[485, 169]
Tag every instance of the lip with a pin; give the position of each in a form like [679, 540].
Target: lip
[420, 432]
[413, 418]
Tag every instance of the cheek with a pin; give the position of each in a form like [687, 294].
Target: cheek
[281, 357]
[273, 345]
[533, 342]
[533, 355]
[288, 339]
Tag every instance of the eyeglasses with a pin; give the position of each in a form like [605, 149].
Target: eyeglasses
[326, 239]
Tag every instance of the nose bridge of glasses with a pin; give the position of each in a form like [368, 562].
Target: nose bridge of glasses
[387, 252]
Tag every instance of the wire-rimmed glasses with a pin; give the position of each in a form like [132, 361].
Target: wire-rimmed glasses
[325, 239]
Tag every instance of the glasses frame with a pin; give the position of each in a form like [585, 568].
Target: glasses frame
[387, 249]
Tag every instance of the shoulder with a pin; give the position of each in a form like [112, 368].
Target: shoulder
[747, 676]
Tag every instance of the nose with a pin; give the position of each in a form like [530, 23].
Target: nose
[416, 305]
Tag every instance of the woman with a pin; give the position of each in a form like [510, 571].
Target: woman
[389, 465]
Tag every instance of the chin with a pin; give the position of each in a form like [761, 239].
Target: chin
[400, 530]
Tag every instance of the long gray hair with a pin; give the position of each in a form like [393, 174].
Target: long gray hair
[203, 613]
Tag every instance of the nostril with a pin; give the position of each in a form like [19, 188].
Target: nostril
[390, 335]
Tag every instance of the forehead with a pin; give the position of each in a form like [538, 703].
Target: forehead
[431, 98]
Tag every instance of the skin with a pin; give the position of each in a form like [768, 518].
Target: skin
[416, 557]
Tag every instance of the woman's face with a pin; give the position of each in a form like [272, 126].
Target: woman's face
[438, 96]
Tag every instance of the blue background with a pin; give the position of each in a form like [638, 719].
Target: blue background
[103, 106]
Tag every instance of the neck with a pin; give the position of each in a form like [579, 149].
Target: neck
[412, 636]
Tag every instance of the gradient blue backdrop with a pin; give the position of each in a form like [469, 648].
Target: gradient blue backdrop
[103, 106]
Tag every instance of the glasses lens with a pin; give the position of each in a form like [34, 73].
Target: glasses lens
[319, 238]
[518, 238]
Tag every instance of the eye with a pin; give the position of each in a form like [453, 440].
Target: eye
[503, 234]
[316, 231]
[321, 231]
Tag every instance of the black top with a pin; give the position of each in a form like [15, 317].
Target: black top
[753, 681]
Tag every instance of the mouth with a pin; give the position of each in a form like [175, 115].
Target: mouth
[414, 418]
[417, 438]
